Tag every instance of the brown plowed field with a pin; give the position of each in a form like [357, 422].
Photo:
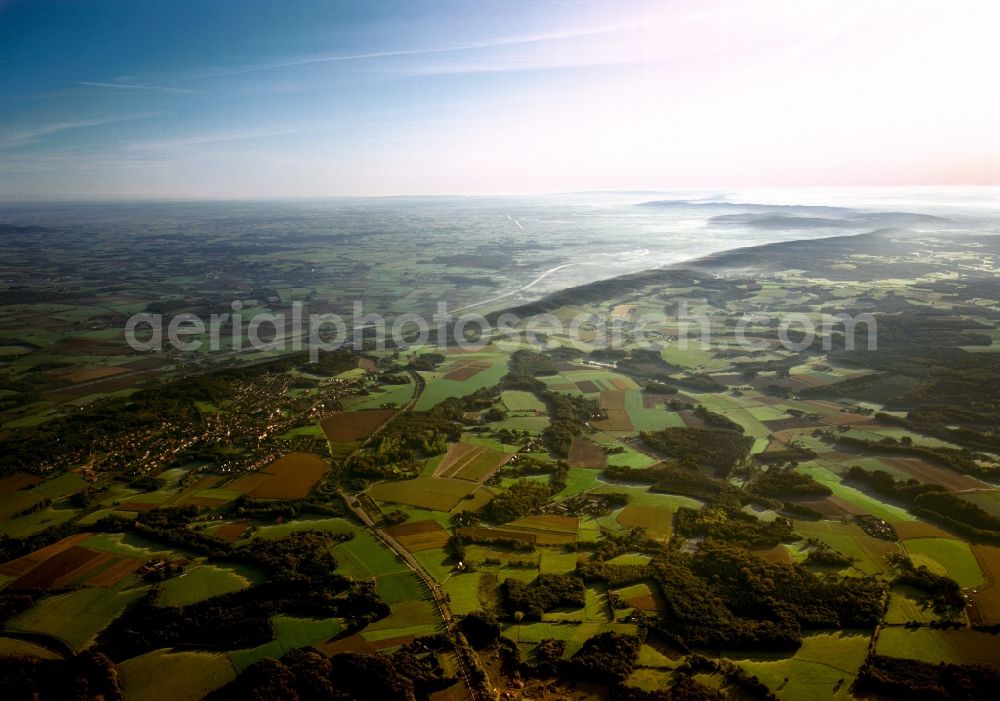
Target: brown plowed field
[351, 426]
[18, 567]
[583, 453]
[18, 481]
[653, 401]
[987, 597]
[417, 536]
[613, 401]
[231, 531]
[116, 573]
[470, 462]
[61, 569]
[931, 474]
[291, 476]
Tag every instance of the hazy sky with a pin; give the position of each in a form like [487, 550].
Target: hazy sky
[213, 98]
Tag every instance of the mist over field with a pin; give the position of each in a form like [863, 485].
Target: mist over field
[496, 251]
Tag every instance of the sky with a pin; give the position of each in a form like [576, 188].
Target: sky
[309, 98]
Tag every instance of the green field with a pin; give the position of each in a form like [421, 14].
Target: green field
[436, 562]
[869, 553]
[163, 675]
[439, 494]
[408, 618]
[867, 504]
[946, 556]
[463, 591]
[628, 458]
[823, 668]
[289, 633]
[557, 562]
[389, 395]
[205, 581]
[517, 400]
[78, 616]
[400, 586]
[438, 389]
[13, 646]
[132, 545]
[37, 521]
[580, 479]
[61, 486]
[906, 604]
[643, 419]
[925, 644]
[364, 557]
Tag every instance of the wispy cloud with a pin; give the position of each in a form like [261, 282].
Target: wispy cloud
[180, 142]
[20, 138]
[340, 58]
[132, 86]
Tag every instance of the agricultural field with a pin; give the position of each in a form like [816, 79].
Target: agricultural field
[331, 525]
[465, 377]
[77, 616]
[164, 675]
[823, 667]
[868, 553]
[647, 412]
[353, 426]
[907, 604]
[435, 493]
[583, 453]
[986, 598]
[935, 646]
[66, 564]
[290, 633]
[291, 476]
[420, 535]
[364, 557]
[469, 462]
[517, 401]
[946, 556]
[463, 592]
[544, 530]
[204, 581]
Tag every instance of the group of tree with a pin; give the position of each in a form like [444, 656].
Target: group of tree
[943, 594]
[716, 448]
[521, 498]
[722, 596]
[922, 681]
[787, 482]
[686, 480]
[88, 676]
[545, 593]
[409, 674]
[732, 526]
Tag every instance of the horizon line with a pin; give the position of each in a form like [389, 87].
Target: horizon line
[100, 199]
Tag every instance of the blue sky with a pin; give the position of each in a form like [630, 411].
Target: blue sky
[149, 98]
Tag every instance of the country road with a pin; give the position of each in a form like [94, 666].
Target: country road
[467, 659]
